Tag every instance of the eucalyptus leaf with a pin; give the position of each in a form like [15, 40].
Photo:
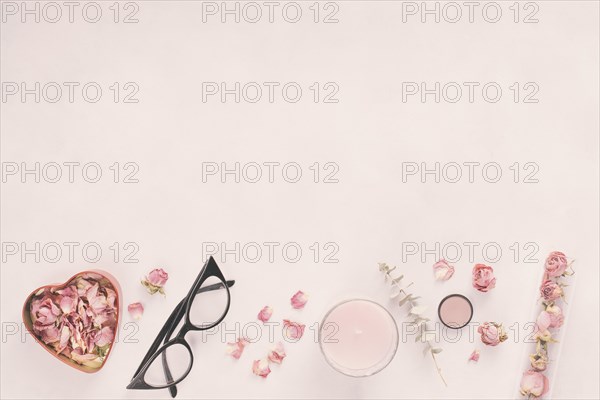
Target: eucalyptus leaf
[404, 300]
[429, 336]
[418, 310]
[415, 315]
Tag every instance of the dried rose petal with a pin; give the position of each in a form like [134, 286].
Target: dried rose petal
[299, 300]
[442, 270]
[136, 310]
[50, 335]
[293, 330]
[105, 336]
[65, 335]
[44, 311]
[277, 354]
[236, 349]
[534, 384]
[261, 368]
[68, 299]
[265, 314]
[474, 356]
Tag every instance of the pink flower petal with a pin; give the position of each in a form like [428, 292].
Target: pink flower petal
[442, 270]
[236, 349]
[136, 310]
[65, 335]
[299, 300]
[474, 356]
[265, 314]
[543, 321]
[261, 368]
[293, 330]
[277, 354]
[104, 337]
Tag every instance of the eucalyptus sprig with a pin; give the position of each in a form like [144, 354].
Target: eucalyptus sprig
[416, 313]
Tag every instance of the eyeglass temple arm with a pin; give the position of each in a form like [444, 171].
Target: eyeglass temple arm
[168, 376]
[171, 324]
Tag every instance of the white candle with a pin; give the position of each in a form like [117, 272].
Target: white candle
[358, 337]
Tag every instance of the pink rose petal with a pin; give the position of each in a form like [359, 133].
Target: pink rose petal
[442, 270]
[265, 314]
[293, 330]
[474, 356]
[105, 336]
[299, 300]
[556, 316]
[136, 310]
[261, 368]
[236, 349]
[277, 354]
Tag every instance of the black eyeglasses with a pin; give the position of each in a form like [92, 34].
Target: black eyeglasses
[201, 313]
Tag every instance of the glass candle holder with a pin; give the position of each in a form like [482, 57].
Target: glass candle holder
[358, 337]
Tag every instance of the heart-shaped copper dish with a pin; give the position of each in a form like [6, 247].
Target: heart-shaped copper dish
[76, 321]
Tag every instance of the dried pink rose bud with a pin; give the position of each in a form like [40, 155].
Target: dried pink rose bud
[556, 316]
[483, 278]
[442, 270]
[538, 362]
[542, 333]
[261, 368]
[155, 281]
[293, 330]
[534, 384]
[299, 300]
[474, 356]
[551, 290]
[136, 310]
[492, 334]
[277, 354]
[265, 314]
[236, 349]
[556, 264]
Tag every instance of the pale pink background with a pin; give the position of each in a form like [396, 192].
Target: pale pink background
[369, 213]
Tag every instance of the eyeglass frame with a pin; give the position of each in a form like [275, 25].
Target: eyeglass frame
[210, 269]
